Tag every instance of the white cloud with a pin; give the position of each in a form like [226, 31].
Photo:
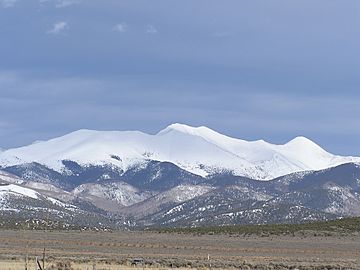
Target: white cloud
[61, 3]
[58, 28]
[121, 27]
[66, 3]
[151, 29]
[7, 3]
[57, 3]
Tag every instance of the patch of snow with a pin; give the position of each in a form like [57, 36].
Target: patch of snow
[61, 204]
[18, 190]
[175, 209]
[208, 207]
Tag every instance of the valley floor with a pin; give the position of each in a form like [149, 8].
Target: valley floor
[114, 250]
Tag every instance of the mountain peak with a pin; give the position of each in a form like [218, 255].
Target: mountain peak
[186, 129]
[302, 141]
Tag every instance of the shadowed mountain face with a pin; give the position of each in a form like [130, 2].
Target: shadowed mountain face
[151, 175]
[159, 176]
[162, 194]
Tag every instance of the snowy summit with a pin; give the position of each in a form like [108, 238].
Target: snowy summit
[198, 150]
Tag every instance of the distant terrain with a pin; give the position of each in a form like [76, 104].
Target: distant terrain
[188, 201]
[341, 227]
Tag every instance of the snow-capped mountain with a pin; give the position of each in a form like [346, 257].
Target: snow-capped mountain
[198, 150]
[181, 176]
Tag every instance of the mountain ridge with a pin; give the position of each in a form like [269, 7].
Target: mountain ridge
[198, 150]
[140, 199]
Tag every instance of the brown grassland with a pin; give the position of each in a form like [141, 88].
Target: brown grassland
[115, 250]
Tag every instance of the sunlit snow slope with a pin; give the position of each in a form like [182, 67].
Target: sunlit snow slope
[198, 150]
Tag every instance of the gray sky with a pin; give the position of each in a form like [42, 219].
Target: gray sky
[251, 69]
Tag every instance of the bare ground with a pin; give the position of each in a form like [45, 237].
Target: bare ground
[114, 250]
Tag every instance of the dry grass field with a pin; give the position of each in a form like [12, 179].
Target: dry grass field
[115, 250]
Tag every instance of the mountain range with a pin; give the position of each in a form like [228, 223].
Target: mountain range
[181, 176]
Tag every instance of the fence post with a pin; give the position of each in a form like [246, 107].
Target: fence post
[43, 260]
[26, 261]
